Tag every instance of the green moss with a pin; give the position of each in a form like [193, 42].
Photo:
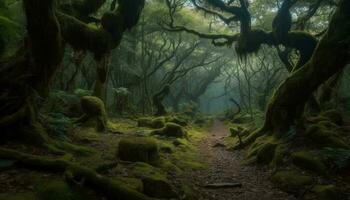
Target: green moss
[141, 149]
[158, 187]
[60, 190]
[75, 149]
[262, 150]
[133, 183]
[19, 196]
[144, 170]
[291, 181]
[6, 164]
[150, 122]
[189, 194]
[170, 130]
[281, 152]
[176, 120]
[95, 110]
[326, 138]
[326, 192]
[307, 160]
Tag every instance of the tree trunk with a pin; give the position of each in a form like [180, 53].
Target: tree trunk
[331, 55]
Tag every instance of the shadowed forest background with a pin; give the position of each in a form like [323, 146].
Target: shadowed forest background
[174, 99]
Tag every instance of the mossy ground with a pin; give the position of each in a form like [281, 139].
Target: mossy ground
[96, 150]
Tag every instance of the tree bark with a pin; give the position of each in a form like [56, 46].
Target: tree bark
[331, 55]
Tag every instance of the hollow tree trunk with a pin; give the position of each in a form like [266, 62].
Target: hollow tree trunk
[331, 55]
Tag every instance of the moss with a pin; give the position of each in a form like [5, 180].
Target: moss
[188, 193]
[19, 196]
[237, 130]
[133, 183]
[138, 149]
[171, 130]
[6, 164]
[158, 187]
[262, 150]
[326, 192]
[291, 181]
[144, 170]
[326, 138]
[307, 160]
[75, 149]
[281, 153]
[176, 120]
[61, 190]
[149, 122]
[94, 108]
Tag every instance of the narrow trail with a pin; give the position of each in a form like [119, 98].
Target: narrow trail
[224, 166]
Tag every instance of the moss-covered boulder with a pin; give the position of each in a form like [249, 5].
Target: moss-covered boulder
[133, 183]
[291, 181]
[176, 120]
[327, 192]
[149, 122]
[95, 112]
[324, 136]
[138, 149]
[158, 187]
[171, 130]
[309, 161]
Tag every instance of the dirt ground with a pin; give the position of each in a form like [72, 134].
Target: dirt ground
[225, 167]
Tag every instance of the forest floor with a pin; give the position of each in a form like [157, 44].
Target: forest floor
[225, 167]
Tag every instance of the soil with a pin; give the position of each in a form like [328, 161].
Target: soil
[225, 167]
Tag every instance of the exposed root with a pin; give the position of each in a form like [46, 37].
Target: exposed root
[74, 173]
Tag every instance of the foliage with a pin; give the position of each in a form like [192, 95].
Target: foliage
[58, 125]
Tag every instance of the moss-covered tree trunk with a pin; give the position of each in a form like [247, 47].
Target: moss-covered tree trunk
[158, 100]
[331, 55]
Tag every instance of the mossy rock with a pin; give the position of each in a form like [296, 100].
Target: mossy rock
[95, 112]
[171, 130]
[334, 116]
[93, 106]
[138, 149]
[281, 152]
[19, 196]
[326, 138]
[158, 188]
[327, 192]
[307, 160]
[291, 181]
[158, 122]
[177, 120]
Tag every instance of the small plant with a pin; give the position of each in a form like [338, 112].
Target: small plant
[58, 125]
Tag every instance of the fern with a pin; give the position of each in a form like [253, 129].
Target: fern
[58, 125]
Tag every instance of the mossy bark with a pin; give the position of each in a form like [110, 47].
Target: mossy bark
[331, 55]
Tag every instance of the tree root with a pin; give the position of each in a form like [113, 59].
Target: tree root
[74, 174]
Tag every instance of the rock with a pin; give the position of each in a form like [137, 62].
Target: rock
[291, 181]
[177, 142]
[177, 120]
[133, 183]
[158, 188]
[171, 130]
[326, 192]
[136, 149]
[307, 160]
[94, 109]
[158, 122]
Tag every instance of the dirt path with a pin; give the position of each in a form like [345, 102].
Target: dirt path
[225, 167]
